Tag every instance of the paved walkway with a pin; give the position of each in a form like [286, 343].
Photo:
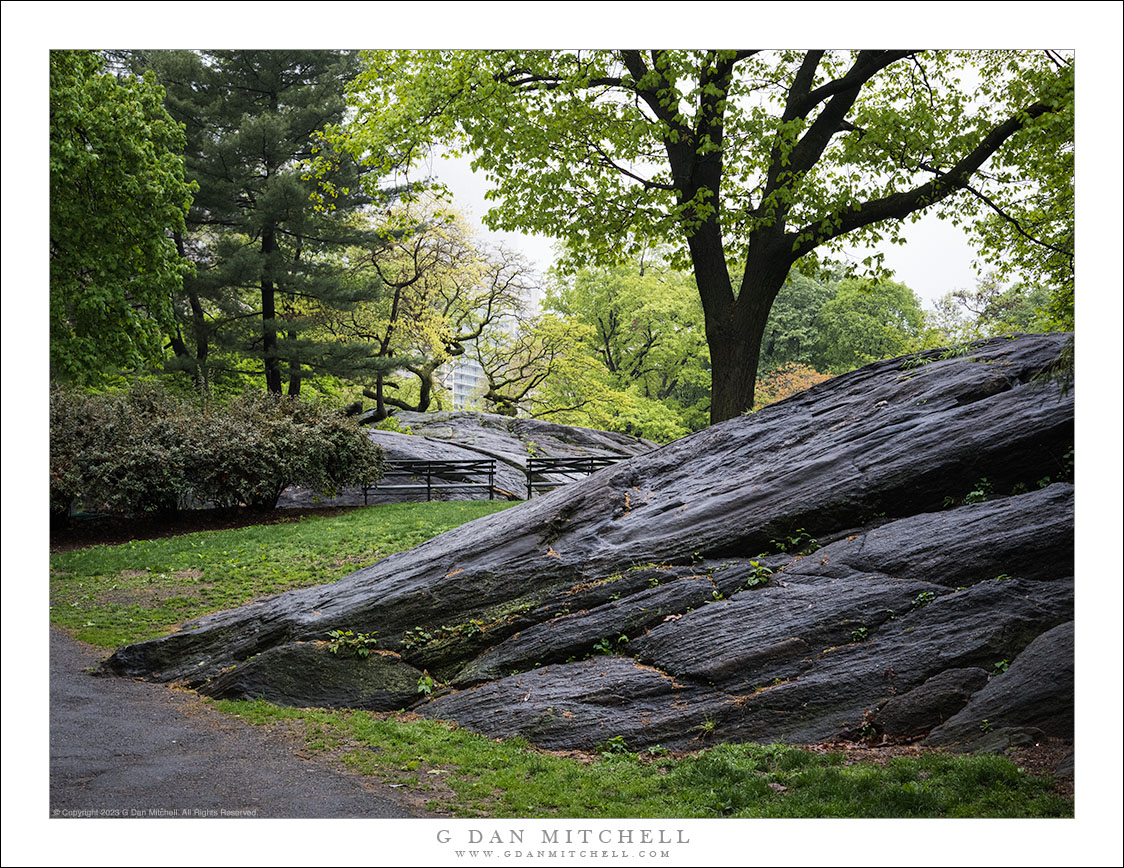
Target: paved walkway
[128, 748]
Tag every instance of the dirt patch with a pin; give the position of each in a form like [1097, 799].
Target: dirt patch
[1042, 760]
[146, 596]
[355, 559]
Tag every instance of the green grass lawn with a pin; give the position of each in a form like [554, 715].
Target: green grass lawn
[469, 775]
[112, 595]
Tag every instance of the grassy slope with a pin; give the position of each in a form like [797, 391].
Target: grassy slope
[114, 595]
[111, 595]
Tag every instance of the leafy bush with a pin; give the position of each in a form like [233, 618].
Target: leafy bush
[391, 423]
[264, 443]
[126, 453]
[145, 451]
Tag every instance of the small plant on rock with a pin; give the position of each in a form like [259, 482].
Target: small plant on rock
[416, 638]
[361, 644]
[391, 423]
[605, 645]
[759, 576]
[923, 599]
[472, 628]
[799, 542]
[980, 493]
[615, 747]
[427, 683]
[706, 728]
[956, 350]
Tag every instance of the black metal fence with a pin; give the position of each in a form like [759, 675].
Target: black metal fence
[538, 468]
[439, 476]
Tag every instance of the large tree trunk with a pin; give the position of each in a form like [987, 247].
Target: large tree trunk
[734, 333]
[269, 315]
[733, 374]
[735, 325]
[294, 371]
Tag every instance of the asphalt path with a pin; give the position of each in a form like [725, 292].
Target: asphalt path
[124, 748]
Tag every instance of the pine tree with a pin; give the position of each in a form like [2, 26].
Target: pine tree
[266, 254]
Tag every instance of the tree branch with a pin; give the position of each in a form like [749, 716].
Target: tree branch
[899, 205]
[645, 182]
[807, 152]
[987, 200]
[802, 85]
[866, 65]
[639, 71]
[550, 82]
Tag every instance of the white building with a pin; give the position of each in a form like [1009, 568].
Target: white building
[464, 380]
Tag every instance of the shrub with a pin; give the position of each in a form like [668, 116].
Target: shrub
[784, 381]
[69, 430]
[265, 443]
[146, 451]
[120, 452]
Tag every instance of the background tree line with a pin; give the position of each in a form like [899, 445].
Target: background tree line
[215, 223]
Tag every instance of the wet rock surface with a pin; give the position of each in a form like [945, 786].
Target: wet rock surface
[308, 673]
[1032, 697]
[930, 704]
[821, 568]
[469, 436]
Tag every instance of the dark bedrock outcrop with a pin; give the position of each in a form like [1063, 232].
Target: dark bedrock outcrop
[673, 550]
[469, 436]
[1031, 699]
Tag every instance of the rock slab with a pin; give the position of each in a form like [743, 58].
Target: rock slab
[468, 436]
[816, 570]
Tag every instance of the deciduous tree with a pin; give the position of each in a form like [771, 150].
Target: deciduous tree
[863, 323]
[992, 309]
[443, 292]
[747, 161]
[645, 328]
[791, 335]
[1031, 234]
[117, 196]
